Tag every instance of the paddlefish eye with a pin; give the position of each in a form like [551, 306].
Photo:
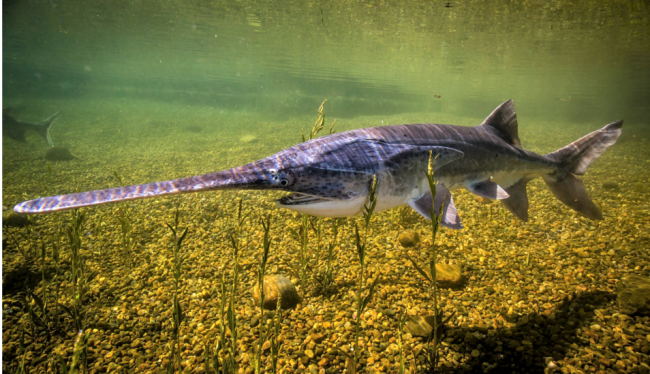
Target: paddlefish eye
[281, 178]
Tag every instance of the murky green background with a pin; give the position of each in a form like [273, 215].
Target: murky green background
[587, 61]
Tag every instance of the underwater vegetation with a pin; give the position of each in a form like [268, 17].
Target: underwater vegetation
[165, 285]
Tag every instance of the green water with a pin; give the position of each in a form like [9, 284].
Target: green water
[160, 90]
[364, 57]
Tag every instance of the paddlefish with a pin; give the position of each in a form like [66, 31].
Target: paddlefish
[332, 176]
[14, 129]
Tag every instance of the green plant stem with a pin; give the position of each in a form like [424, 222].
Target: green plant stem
[304, 259]
[433, 257]
[400, 343]
[178, 259]
[362, 246]
[260, 281]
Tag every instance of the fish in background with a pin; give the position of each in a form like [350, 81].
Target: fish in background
[332, 176]
[14, 129]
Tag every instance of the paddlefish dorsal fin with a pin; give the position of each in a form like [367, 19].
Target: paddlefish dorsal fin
[504, 120]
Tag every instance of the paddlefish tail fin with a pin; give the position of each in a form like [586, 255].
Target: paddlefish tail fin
[43, 128]
[574, 159]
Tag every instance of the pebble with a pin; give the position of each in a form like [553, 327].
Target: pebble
[633, 294]
[409, 238]
[610, 185]
[277, 286]
[448, 275]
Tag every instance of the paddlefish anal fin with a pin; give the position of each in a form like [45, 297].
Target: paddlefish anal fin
[517, 202]
[488, 189]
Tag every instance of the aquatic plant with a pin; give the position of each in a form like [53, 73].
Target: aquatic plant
[79, 356]
[126, 229]
[261, 272]
[223, 358]
[304, 255]
[22, 353]
[401, 215]
[56, 258]
[431, 349]
[362, 248]
[236, 232]
[25, 251]
[178, 258]
[327, 276]
[117, 176]
[231, 364]
[275, 341]
[80, 276]
[37, 307]
[318, 125]
[318, 231]
[74, 234]
[526, 261]
[400, 343]
[228, 319]
[99, 234]
[31, 317]
[227, 364]
[28, 235]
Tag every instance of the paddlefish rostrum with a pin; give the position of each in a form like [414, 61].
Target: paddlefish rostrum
[332, 176]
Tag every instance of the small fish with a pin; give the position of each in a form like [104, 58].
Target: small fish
[15, 129]
[332, 176]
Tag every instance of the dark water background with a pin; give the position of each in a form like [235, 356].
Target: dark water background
[567, 61]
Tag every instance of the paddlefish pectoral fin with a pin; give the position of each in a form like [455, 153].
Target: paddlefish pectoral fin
[423, 205]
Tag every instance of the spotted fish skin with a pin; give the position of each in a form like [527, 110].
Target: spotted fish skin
[332, 175]
[336, 167]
